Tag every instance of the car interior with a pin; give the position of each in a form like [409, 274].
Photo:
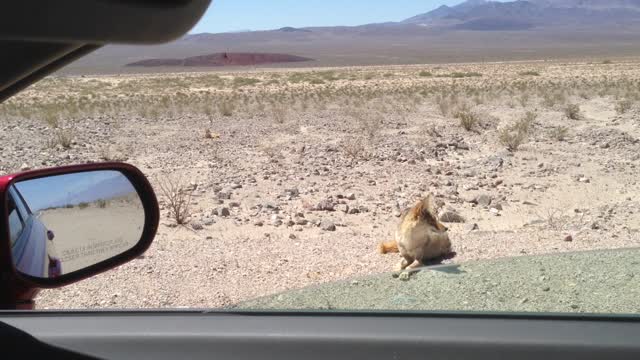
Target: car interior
[35, 44]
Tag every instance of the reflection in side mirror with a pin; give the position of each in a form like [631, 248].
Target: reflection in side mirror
[61, 224]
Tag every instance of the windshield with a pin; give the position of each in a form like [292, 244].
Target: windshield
[317, 155]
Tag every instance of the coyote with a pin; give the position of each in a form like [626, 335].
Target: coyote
[419, 235]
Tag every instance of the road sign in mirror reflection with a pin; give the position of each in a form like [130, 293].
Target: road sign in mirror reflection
[64, 223]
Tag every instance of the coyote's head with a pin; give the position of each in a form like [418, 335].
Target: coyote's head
[425, 210]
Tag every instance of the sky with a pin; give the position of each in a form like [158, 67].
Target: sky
[240, 15]
[52, 191]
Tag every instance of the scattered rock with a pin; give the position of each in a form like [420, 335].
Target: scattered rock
[196, 226]
[483, 200]
[325, 205]
[451, 216]
[223, 211]
[225, 195]
[327, 225]
[351, 196]
[471, 227]
[568, 238]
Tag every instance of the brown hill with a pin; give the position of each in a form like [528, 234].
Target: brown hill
[223, 59]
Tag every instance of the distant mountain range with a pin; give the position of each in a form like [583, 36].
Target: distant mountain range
[475, 30]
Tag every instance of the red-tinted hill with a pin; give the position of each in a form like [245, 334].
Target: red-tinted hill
[223, 59]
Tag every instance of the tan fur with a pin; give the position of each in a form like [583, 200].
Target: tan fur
[419, 236]
[388, 247]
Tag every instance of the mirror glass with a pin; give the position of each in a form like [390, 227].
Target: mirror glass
[64, 223]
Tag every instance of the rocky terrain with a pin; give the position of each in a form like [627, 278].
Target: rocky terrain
[295, 176]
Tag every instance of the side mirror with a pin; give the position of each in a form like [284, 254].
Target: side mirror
[69, 223]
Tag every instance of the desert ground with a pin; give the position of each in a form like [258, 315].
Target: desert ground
[293, 176]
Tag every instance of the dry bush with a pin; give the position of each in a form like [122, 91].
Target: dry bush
[526, 123]
[516, 134]
[369, 122]
[355, 149]
[529, 73]
[425, 74]
[279, 113]
[101, 203]
[468, 119]
[623, 106]
[511, 138]
[559, 133]
[572, 111]
[447, 103]
[64, 138]
[271, 149]
[52, 119]
[226, 108]
[178, 198]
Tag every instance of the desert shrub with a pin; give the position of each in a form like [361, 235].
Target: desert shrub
[446, 104]
[572, 111]
[458, 75]
[607, 62]
[316, 81]
[83, 205]
[425, 74]
[559, 133]
[526, 123]
[279, 114]
[64, 138]
[178, 198]
[369, 122]
[354, 148]
[101, 203]
[623, 106]
[529, 73]
[516, 134]
[468, 119]
[511, 138]
[52, 119]
[271, 148]
[68, 206]
[242, 81]
[226, 108]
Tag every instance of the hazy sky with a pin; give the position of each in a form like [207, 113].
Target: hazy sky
[235, 15]
[52, 191]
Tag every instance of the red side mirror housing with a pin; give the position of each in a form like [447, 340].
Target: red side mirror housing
[61, 225]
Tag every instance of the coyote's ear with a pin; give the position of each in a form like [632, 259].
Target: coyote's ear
[430, 205]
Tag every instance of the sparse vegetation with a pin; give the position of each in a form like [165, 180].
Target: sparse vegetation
[101, 203]
[623, 106]
[177, 197]
[468, 119]
[572, 111]
[425, 74]
[226, 108]
[513, 136]
[529, 73]
[83, 205]
[64, 138]
[559, 133]
[354, 148]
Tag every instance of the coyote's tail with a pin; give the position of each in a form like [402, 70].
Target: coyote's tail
[388, 247]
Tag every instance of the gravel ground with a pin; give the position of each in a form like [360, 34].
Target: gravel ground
[598, 282]
[278, 202]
